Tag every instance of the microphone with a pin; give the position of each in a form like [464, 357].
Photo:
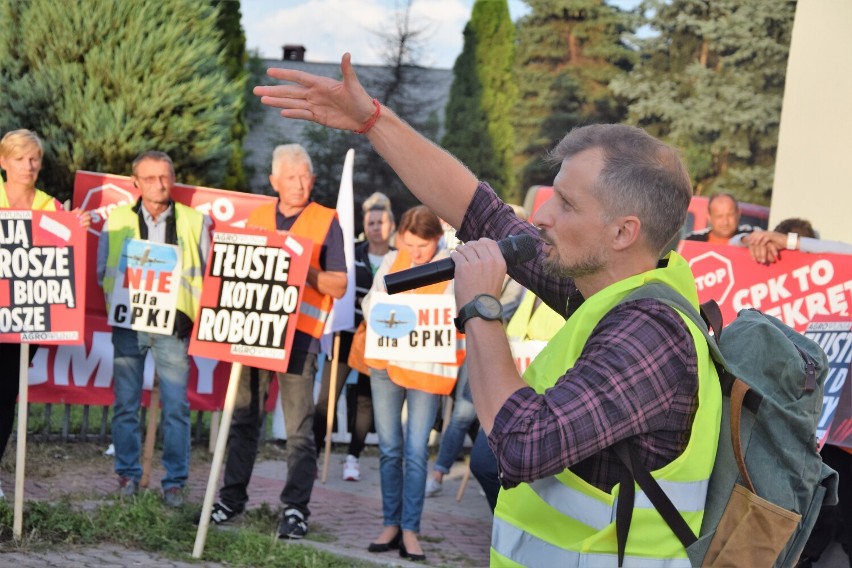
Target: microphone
[515, 250]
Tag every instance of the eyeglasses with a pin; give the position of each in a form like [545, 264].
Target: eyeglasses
[150, 180]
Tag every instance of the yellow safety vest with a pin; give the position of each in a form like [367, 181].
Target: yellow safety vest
[41, 202]
[564, 521]
[540, 324]
[123, 224]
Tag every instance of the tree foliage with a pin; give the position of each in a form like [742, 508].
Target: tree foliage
[568, 53]
[711, 83]
[483, 98]
[235, 62]
[101, 81]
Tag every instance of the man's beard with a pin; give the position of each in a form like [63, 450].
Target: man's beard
[591, 263]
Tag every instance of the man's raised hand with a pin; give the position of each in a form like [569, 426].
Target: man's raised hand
[343, 105]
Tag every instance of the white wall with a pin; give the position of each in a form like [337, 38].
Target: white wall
[813, 172]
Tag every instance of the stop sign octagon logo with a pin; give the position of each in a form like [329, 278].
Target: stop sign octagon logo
[714, 276]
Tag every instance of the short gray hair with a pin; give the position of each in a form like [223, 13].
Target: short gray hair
[291, 154]
[155, 155]
[641, 176]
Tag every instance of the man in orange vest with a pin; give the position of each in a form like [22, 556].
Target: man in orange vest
[293, 179]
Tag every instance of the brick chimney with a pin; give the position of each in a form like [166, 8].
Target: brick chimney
[294, 52]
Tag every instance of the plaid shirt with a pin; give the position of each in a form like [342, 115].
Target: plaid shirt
[636, 377]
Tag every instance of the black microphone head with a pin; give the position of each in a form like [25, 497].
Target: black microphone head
[518, 248]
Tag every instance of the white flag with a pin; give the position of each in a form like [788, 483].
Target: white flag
[342, 314]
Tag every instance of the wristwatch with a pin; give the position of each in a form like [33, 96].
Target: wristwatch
[483, 306]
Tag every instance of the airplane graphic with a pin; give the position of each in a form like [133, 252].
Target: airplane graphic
[145, 258]
[391, 322]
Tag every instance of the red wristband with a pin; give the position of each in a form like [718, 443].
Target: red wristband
[372, 121]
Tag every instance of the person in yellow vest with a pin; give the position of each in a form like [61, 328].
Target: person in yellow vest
[155, 217]
[293, 179]
[21, 155]
[637, 371]
[403, 450]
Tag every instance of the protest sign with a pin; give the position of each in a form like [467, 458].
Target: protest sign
[524, 352]
[411, 327]
[834, 336]
[146, 287]
[42, 272]
[797, 288]
[840, 431]
[250, 298]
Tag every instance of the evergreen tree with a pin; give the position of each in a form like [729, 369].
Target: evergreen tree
[711, 83]
[101, 81]
[568, 53]
[235, 62]
[483, 98]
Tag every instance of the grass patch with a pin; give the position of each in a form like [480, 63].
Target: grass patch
[144, 523]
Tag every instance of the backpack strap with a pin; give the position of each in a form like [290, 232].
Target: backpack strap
[634, 470]
[709, 318]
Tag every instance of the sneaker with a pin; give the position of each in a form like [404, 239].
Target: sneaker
[127, 487]
[173, 497]
[221, 513]
[433, 486]
[351, 470]
[293, 525]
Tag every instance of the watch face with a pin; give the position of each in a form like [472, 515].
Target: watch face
[489, 307]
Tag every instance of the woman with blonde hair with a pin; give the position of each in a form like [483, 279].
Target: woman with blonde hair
[21, 153]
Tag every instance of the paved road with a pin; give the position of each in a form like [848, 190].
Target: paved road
[347, 514]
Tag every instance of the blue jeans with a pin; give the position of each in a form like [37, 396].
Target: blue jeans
[454, 432]
[172, 367]
[403, 458]
[483, 465]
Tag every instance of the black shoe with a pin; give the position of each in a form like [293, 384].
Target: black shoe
[293, 525]
[405, 554]
[220, 514]
[385, 546]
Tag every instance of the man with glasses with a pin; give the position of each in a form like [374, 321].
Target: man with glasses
[157, 218]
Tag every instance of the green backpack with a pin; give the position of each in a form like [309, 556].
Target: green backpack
[768, 481]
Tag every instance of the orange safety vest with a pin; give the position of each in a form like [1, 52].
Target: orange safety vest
[312, 223]
[435, 378]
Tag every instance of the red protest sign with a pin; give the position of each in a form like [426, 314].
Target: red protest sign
[42, 277]
[250, 298]
[797, 288]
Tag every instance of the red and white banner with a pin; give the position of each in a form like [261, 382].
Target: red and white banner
[250, 298]
[83, 374]
[42, 277]
[795, 289]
